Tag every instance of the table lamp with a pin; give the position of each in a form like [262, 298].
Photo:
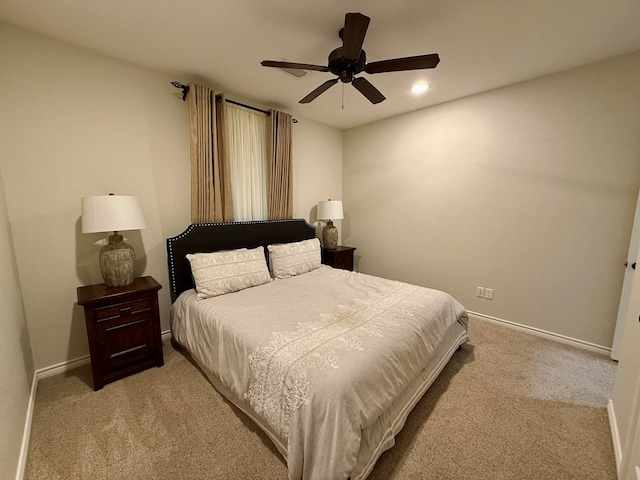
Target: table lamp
[330, 210]
[106, 213]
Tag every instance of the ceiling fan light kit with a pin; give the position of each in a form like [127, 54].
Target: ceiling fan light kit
[349, 60]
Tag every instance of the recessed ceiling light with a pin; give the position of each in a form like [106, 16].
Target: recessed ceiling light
[420, 88]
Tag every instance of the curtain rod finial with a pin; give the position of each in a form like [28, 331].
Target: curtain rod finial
[183, 87]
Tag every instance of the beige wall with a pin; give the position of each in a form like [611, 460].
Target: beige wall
[529, 190]
[16, 373]
[318, 169]
[80, 124]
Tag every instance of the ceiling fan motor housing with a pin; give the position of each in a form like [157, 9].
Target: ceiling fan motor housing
[346, 69]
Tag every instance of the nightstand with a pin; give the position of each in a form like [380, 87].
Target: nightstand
[123, 327]
[340, 257]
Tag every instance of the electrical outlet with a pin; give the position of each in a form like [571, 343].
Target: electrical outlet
[488, 293]
[480, 292]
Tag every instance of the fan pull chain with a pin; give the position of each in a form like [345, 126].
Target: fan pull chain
[343, 96]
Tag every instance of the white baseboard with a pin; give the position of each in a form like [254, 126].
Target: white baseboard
[615, 435]
[543, 333]
[62, 367]
[26, 434]
[37, 376]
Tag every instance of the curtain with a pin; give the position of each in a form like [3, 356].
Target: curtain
[222, 168]
[248, 156]
[210, 186]
[280, 201]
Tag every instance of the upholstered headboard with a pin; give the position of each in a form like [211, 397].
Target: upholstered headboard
[211, 237]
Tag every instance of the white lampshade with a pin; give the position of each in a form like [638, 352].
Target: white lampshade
[111, 213]
[330, 210]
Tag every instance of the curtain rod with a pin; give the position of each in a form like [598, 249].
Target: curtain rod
[256, 109]
[185, 90]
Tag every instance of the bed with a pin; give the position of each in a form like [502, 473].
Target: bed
[327, 362]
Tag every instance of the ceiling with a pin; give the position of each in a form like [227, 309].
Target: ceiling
[483, 44]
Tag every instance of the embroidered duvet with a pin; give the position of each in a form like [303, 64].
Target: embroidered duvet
[321, 357]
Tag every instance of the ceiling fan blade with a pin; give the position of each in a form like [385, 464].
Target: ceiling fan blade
[408, 63]
[368, 90]
[301, 66]
[320, 90]
[355, 28]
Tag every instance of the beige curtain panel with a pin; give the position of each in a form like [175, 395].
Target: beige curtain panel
[211, 199]
[280, 201]
[222, 166]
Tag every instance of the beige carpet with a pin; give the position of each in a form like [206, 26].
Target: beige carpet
[508, 406]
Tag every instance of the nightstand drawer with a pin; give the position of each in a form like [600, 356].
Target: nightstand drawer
[343, 262]
[126, 308]
[125, 340]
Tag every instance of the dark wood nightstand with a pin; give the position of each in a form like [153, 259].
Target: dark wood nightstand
[123, 326]
[340, 257]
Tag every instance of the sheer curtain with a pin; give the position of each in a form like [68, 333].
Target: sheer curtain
[248, 158]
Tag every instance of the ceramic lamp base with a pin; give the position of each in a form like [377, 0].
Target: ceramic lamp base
[116, 262]
[330, 236]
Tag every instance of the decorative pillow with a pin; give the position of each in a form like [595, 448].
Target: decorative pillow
[228, 271]
[290, 259]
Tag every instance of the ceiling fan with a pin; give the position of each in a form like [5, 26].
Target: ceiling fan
[350, 59]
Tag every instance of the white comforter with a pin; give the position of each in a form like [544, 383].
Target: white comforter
[319, 356]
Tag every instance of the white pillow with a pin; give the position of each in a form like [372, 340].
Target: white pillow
[228, 271]
[290, 259]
